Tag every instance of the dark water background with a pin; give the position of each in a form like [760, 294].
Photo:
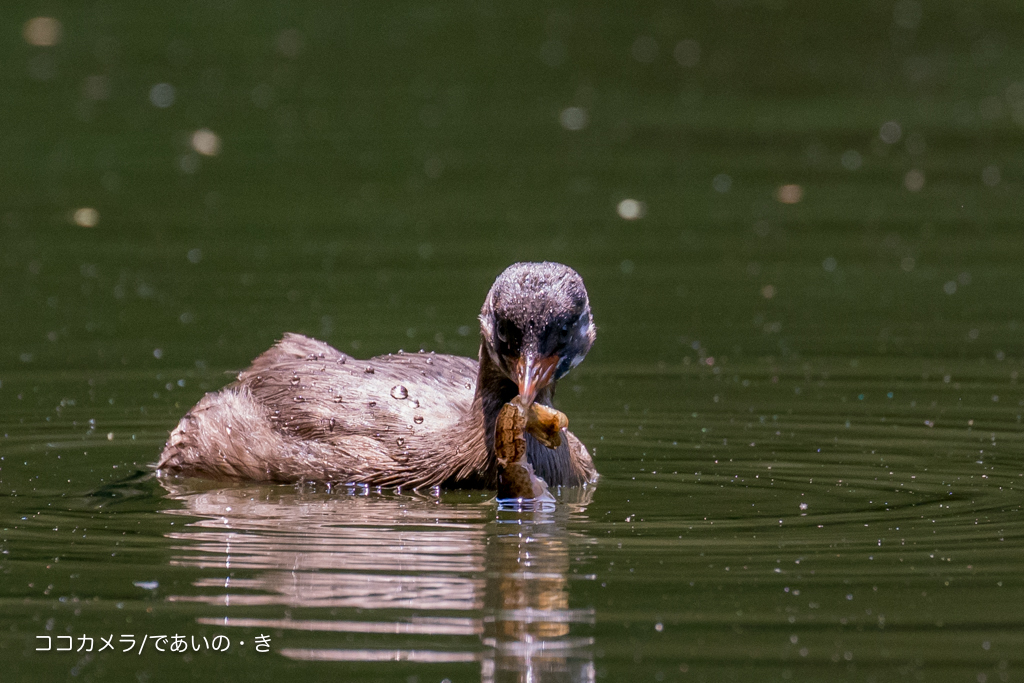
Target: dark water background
[803, 401]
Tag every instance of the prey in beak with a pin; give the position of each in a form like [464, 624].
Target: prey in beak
[531, 375]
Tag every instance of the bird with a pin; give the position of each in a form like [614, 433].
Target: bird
[306, 412]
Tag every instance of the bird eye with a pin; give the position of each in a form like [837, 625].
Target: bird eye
[501, 329]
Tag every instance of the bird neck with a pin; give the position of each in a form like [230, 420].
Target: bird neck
[493, 390]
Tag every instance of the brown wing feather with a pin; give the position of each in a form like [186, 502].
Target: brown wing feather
[316, 394]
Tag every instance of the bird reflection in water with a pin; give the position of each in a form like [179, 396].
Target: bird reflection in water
[415, 579]
[529, 619]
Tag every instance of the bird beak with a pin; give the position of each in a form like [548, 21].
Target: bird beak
[533, 374]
